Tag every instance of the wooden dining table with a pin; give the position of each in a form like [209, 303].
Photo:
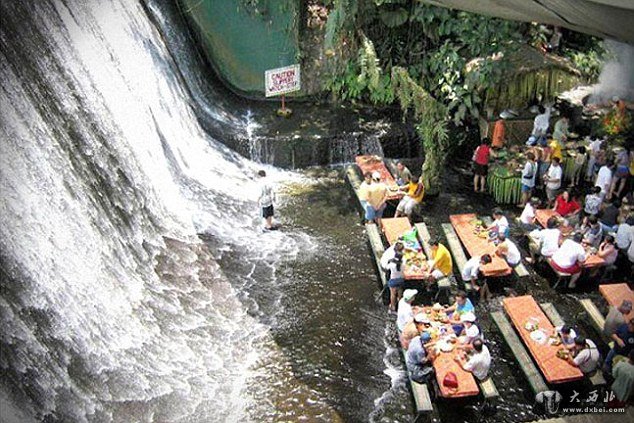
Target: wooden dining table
[615, 293]
[395, 227]
[524, 309]
[542, 216]
[445, 363]
[369, 163]
[476, 246]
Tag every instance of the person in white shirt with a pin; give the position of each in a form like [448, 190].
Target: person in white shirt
[479, 362]
[529, 174]
[266, 200]
[569, 258]
[508, 251]
[363, 189]
[625, 234]
[593, 202]
[500, 223]
[553, 179]
[604, 178]
[405, 309]
[471, 274]
[544, 242]
[527, 218]
[389, 254]
[541, 123]
[586, 356]
[593, 152]
[471, 331]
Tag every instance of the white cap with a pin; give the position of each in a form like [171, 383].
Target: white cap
[421, 318]
[468, 317]
[409, 294]
[376, 175]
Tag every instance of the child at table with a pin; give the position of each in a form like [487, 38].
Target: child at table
[500, 223]
[567, 335]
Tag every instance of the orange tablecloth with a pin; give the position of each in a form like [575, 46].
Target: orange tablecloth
[477, 246]
[395, 227]
[554, 369]
[614, 294]
[370, 164]
[542, 216]
[445, 363]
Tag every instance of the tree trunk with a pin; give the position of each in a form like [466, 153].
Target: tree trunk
[432, 168]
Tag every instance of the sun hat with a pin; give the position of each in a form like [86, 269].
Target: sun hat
[468, 317]
[409, 294]
[421, 318]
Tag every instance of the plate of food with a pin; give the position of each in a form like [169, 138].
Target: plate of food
[554, 340]
[563, 354]
[538, 336]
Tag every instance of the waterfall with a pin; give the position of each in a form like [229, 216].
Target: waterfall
[112, 308]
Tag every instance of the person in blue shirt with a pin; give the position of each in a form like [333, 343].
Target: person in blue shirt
[418, 359]
[461, 306]
[623, 338]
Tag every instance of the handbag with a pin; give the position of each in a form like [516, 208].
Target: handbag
[450, 380]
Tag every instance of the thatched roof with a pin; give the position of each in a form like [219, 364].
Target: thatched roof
[530, 74]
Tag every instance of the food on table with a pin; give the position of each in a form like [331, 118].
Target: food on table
[554, 340]
[531, 325]
[563, 354]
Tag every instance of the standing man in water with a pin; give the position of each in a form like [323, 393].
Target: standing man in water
[266, 200]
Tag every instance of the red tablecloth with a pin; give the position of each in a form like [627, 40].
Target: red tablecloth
[374, 164]
[393, 228]
[614, 294]
[555, 370]
[542, 216]
[477, 246]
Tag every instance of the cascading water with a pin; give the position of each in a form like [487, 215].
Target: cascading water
[112, 308]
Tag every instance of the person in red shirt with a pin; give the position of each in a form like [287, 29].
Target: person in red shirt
[566, 205]
[481, 165]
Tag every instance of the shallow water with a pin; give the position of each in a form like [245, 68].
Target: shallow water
[339, 340]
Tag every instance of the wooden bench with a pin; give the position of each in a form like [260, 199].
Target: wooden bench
[520, 270]
[552, 314]
[355, 181]
[531, 372]
[422, 399]
[377, 249]
[459, 257]
[561, 276]
[597, 319]
[488, 388]
[595, 379]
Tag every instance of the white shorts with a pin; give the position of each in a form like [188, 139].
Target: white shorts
[406, 205]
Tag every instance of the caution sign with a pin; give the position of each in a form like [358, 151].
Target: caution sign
[282, 80]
